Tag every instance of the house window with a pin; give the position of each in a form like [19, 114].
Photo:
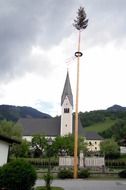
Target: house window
[66, 125]
[95, 148]
[90, 143]
[95, 142]
[66, 110]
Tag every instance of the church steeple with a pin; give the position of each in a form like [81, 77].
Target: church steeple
[67, 91]
[66, 107]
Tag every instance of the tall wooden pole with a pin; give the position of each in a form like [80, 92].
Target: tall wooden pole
[80, 24]
[76, 113]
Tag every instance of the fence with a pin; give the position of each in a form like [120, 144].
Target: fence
[94, 163]
[82, 161]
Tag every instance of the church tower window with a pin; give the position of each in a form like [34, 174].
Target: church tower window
[66, 110]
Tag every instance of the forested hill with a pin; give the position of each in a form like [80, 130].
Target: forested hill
[13, 113]
[108, 123]
[92, 117]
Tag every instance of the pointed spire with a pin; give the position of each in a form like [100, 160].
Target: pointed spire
[67, 91]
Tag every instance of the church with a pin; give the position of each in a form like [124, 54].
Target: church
[60, 126]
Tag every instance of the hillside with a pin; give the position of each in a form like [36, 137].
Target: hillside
[13, 113]
[101, 126]
[108, 123]
[112, 113]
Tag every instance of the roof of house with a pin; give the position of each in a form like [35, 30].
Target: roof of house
[67, 91]
[92, 135]
[9, 140]
[51, 127]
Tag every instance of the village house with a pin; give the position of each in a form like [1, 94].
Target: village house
[5, 143]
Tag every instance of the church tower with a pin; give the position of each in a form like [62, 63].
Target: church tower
[66, 107]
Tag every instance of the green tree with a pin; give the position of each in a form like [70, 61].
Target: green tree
[110, 148]
[117, 131]
[20, 150]
[65, 144]
[10, 129]
[39, 143]
[89, 118]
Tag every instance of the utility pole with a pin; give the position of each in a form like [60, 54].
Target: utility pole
[80, 23]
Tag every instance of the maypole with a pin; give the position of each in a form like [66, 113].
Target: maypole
[80, 23]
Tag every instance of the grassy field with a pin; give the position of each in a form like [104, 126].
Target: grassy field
[102, 126]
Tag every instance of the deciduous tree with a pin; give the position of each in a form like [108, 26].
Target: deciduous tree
[65, 145]
[10, 129]
[39, 143]
[109, 148]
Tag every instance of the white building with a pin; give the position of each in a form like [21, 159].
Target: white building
[5, 143]
[60, 126]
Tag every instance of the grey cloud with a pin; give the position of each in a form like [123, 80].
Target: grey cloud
[27, 23]
[106, 21]
[24, 23]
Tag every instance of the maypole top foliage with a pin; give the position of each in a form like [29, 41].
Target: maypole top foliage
[81, 22]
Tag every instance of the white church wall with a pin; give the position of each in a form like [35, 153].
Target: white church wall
[29, 138]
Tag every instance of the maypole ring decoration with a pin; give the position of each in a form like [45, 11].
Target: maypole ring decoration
[78, 54]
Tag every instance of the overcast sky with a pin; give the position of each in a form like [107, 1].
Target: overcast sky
[37, 45]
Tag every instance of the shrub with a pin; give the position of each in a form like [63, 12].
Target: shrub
[65, 173]
[17, 175]
[122, 174]
[83, 173]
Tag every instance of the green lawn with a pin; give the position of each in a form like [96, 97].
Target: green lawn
[102, 126]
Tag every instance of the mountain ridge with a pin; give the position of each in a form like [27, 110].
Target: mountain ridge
[116, 108]
[13, 113]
